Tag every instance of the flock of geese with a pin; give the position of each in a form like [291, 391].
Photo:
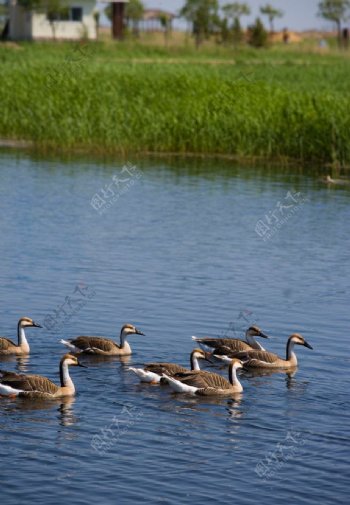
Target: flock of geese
[235, 352]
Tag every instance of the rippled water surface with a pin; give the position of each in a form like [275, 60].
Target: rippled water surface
[178, 254]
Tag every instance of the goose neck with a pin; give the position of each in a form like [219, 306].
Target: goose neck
[22, 340]
[66, 381]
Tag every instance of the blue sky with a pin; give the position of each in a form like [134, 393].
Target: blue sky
[299, 14]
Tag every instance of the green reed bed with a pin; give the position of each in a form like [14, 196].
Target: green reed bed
[257, 108]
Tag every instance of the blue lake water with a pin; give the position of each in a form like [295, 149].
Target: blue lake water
[181, 248]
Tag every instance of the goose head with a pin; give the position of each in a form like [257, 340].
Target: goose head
[236, 363]
[71, 360]
[254, 331]
[26, 322]
[129, 329]
[200, 354]
[251, 334]
[296, 338]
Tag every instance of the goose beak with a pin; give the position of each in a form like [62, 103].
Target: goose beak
[82, 366]
[36, 325]
[138, 332]
[263, 335]
[306, 344]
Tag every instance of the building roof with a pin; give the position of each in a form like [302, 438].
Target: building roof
[149, 14]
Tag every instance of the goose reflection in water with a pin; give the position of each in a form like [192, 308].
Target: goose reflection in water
[66, 412]
[95, 360]
[21, 362]
[203, 403]
[63, 406]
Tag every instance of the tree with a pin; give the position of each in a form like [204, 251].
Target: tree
[29, 4]
[165, 22]
[203, 15]
[233, 12]
[271, 13]
[236, 10]
[258, 36]
[54, 10]
[96, 15]
[336, 11]
[237, 33]
[225, 31]
[134, 10]
[108, 11]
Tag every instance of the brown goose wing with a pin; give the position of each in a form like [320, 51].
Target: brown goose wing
[203, 379]
[217, 381]
[94, 343]
[253, 357]
[211, 391]
[29, 383]
[227, 351]
[167, 368]
[192, 378]
[234, 344]
[6, 343]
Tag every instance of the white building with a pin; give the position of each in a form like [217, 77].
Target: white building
[75, 22]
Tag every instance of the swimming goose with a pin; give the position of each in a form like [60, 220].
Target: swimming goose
[264, 359]
[235, 344]
[330, 180]
[37, 386]
[204, 383]
[104, 346]
[152, 372]
[9, 347]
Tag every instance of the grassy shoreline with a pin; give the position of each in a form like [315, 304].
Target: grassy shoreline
[274, 105]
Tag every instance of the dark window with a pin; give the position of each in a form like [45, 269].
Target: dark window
[66, 14]
[77, 14]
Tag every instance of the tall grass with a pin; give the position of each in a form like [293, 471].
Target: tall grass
[266, 108]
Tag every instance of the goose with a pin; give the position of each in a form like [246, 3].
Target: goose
[104, 346]
[235, 344]
[152, 372]
[8, 347]
[264, 359]
[38, 387]
[330, 180]
[204, 383]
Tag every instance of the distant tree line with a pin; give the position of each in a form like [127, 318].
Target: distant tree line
[207, 18]
[338, 12]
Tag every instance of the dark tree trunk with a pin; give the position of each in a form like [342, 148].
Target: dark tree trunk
[117, 20]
